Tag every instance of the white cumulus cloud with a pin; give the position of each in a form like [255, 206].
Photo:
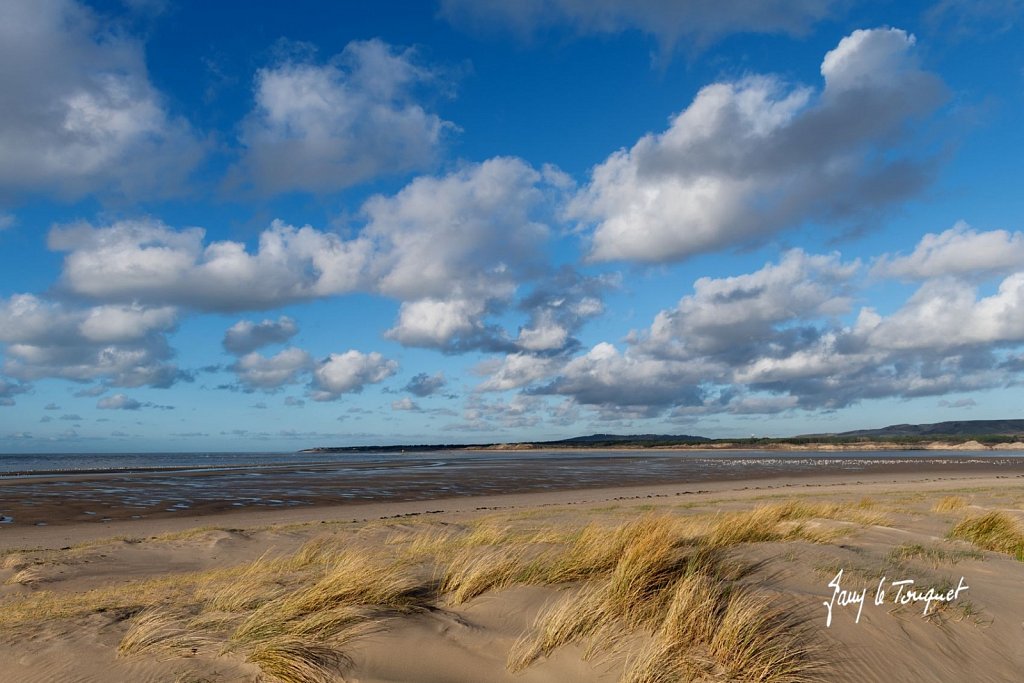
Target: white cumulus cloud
[257, 372]
[750, 158]
[960, 251]
[349, 372]
[322, 128]
[122, 344]
[78, 113]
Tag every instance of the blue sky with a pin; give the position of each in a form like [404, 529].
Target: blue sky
[295, 224]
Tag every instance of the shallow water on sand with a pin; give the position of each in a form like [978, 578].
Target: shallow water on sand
[41, 489]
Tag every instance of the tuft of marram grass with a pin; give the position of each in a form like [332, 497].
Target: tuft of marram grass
[577, 616]
[15, 561]
[363, 578]
[996, 531]
[291, 659]
[681, 587]
[473, 571]
[949, 504]
[160, 631]
[255, 584]
[757, 640]
[27, 576]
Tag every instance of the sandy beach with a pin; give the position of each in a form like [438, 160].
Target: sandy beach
[470, 589]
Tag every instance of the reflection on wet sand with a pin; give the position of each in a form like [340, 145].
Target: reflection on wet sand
[56, 498]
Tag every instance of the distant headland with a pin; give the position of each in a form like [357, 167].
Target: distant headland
[953, 435]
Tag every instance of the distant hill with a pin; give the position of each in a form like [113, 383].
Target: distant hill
[957, 428]
[591, 441]
[988, 431]
[625, 438]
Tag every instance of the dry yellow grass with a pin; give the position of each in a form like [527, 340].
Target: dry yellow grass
[682, 587]
[160, 631]
[256, 584]
[664, 582]
[292, 659]
[472, 571]
[949, 504]
[577, 616]
[362, 578]
[27, 576]
[14, 560]
[757, 640]
[996, 531]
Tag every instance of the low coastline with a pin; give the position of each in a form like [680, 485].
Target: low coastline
[767, 445]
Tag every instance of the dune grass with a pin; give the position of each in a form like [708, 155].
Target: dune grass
[684, 591]
[663, 591]
[996, 531]
[949, 504]
[292, 659]
[935, 555]
[161, 631]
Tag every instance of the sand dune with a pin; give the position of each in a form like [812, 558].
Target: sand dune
[574, 586]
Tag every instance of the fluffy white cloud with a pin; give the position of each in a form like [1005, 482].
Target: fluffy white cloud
[960, 251]
[457, 247]
[558, 306]
[514, 371]
[246, 336]
[433, 323]
[122, 365]
[947, 313]
[28, 319]
[544, 335]
[749, 158]
[77, 111]
[257, 372]
[744, 314]
[605, 377]
[668, 20]
[774, 340]
[472, 233]
[125, 345]
[124, 323]
[146, 260]
[454, 249]
[349, 372]
[323, 128]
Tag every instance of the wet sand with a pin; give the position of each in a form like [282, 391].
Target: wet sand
[70, 527]
[103, 498]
